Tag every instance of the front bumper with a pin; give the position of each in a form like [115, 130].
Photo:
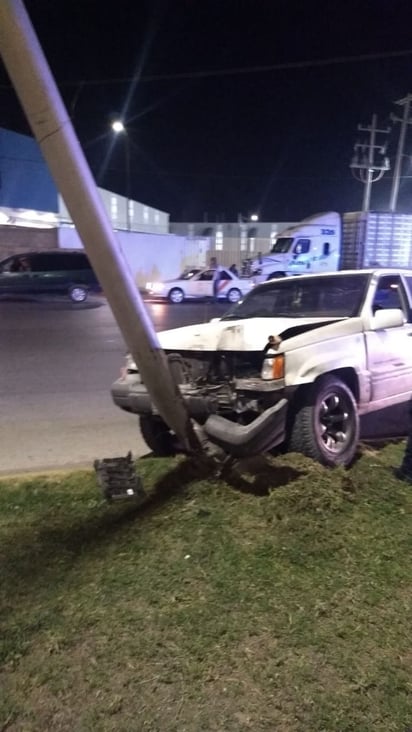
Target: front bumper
[267, 431]
[264, 433]
[133, 397]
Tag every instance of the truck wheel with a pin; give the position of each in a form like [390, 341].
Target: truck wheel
[234, 295]
[326, 423]
[176, 295]
[273, 275]
[157, 436]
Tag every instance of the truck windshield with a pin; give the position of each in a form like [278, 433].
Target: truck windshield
[334, 296]
[282, 245]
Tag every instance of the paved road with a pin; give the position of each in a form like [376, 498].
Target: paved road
[58, 361]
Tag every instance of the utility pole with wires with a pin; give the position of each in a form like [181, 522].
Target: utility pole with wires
[405, 121]
[364, 167]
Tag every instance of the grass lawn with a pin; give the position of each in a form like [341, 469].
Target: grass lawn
[279, 600]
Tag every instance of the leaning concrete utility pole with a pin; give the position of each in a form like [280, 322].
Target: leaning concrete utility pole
[405, 121]
[52, 128]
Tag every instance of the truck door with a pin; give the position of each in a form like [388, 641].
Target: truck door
[301, 257]
[389, 351]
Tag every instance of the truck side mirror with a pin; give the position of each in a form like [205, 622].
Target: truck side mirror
[387, 318]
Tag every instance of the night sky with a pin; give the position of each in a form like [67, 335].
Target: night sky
[231, 107]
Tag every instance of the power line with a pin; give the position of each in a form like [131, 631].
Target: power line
[237, 71]
[278, 67]
[252, 177]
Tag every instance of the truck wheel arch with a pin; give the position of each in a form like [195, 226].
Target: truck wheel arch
[347, 374]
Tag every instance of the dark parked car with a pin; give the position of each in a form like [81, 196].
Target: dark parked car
[53, 272]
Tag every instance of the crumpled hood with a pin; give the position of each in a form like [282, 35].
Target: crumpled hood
[237, 335]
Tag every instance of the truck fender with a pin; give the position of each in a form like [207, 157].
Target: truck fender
[357, 380]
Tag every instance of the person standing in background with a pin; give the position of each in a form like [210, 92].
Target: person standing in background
[216, 277]
[404, 471]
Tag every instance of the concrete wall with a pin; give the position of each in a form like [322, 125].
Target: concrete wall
[151, 257]
[233, 242]
[16, 239]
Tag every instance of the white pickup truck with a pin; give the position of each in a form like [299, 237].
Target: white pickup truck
[292, 366]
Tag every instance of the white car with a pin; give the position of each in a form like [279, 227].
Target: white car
[198, 283]
[296, 363]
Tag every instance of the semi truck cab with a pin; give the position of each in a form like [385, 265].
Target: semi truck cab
[311, 246]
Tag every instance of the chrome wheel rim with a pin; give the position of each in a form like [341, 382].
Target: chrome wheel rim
[335, 421]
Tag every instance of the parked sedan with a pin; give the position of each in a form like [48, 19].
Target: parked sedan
[198, 283]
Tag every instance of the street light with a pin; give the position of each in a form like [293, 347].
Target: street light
[119, 128]
[244, 219]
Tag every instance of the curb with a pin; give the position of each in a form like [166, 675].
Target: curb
[22, 473]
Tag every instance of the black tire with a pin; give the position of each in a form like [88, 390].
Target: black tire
[176, 296]
[234, 295]
[157, 436]
[326, 423]
[78, 293]
[274, 275]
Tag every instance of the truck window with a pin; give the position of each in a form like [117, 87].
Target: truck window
[302, 246]
[390, 294]
[326, 249]
[408, 281]
[282, 245]
[341, 296]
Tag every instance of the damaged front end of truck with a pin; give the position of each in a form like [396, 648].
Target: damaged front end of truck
[235, 397]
